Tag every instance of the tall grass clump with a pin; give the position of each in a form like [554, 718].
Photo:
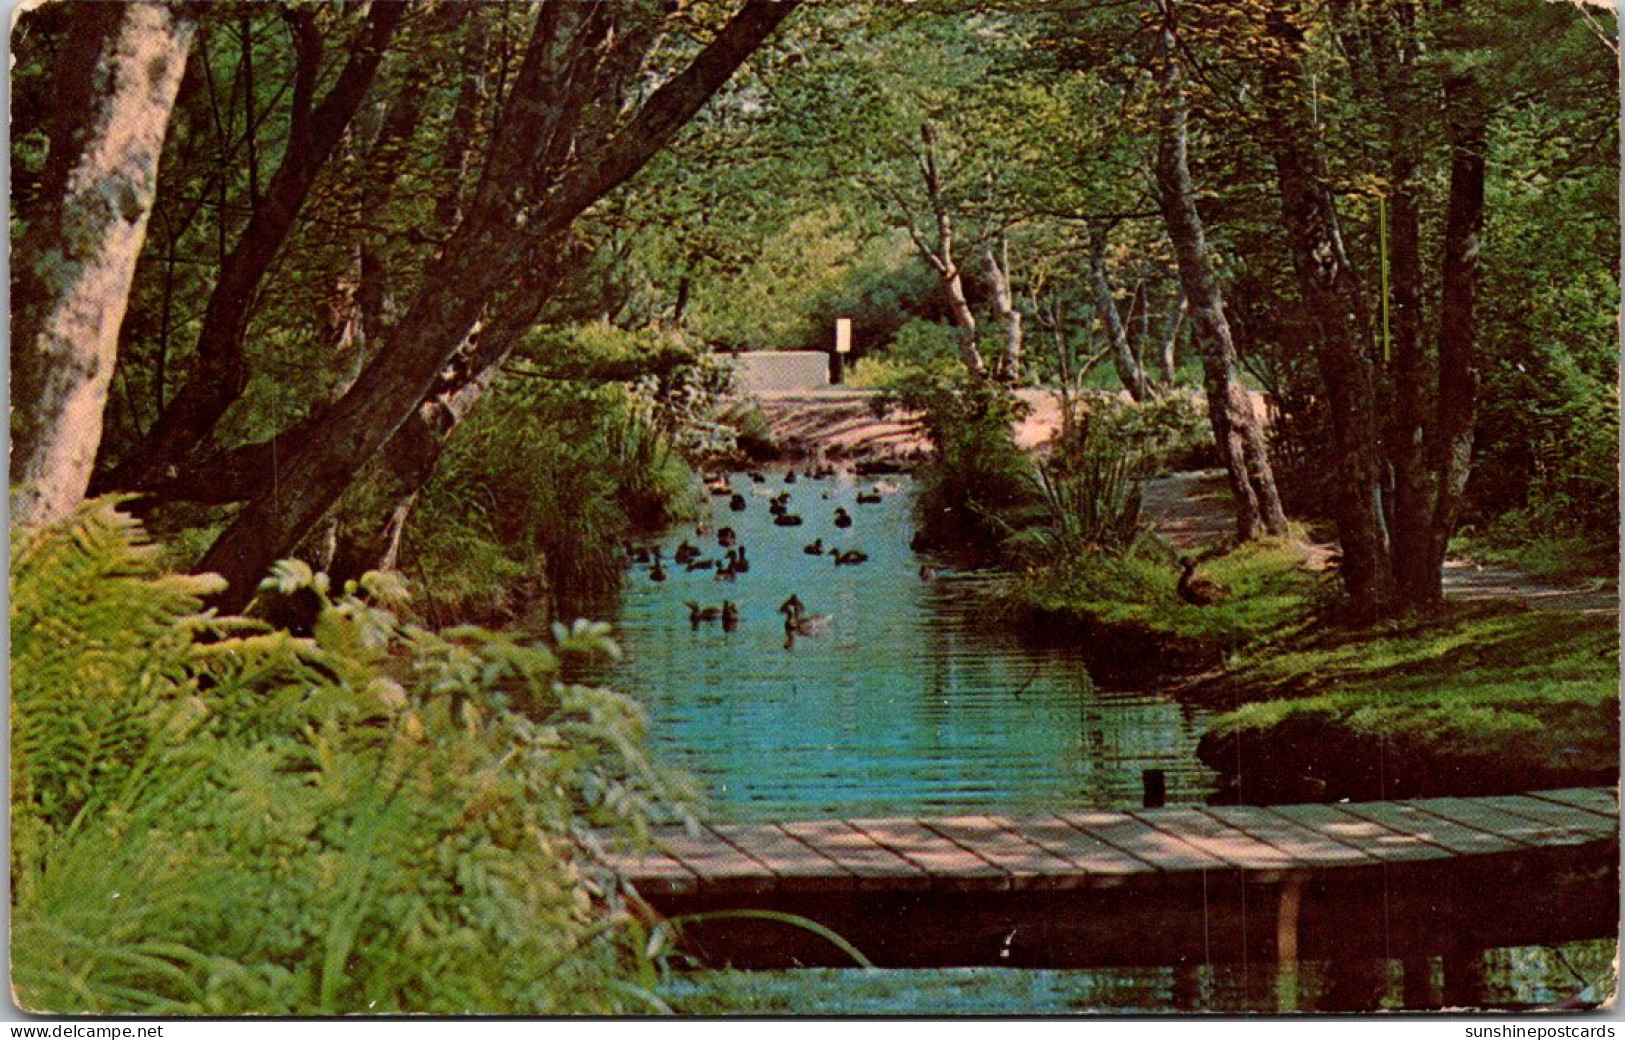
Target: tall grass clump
[531, 505]
[210, 817]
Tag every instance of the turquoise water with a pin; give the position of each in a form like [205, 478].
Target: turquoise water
[906, 704]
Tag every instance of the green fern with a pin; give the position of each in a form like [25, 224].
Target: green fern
[214, 818]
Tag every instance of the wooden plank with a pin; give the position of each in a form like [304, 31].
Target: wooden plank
[1599, 828]
[952, 867]
[720, 867]
[1029, 865]
[1371, 838]
[1218, 840]
[797, 866]
[1601, 800]
[1304, 844]
[1096, 860]
[654, 873]
[874, 866]
[1480, 815]
[1161, 850]
[1407, 819]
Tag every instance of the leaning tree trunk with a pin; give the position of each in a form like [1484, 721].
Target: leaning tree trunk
[1235, 425]
[1129, 369]
[1334, 307]
[941, 255]
[115, 88]
[485, 253]
[219, 370]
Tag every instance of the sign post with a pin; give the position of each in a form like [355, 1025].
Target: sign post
[843, 347]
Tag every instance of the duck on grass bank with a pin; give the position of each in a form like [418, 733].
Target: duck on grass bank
[1198, 592]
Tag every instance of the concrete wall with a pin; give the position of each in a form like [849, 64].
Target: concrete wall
[776, 371]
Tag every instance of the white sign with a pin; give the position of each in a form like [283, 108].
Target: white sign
[843, 335]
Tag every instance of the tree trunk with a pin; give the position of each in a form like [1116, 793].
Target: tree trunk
[1004, 305]
[1235, 426]
[116, 86]
[1450, 449]
[941, 256]
[1171, 328]
[527, 195]
[1128, 366]
[1335, 309]
[220, 373]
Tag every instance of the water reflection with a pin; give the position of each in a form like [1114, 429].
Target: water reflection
[905, 704]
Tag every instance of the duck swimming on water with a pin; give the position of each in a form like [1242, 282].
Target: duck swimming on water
[849, 558]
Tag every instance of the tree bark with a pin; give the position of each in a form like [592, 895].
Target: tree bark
[116, 87]
[1335, 309]
[1004, 305]
[527, 193]
[220, 373]
[1450, 448]
[941, 255]
[1129, 369]
[1235, 426]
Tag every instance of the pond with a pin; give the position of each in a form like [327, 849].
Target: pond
[908, 704]
[905, 704]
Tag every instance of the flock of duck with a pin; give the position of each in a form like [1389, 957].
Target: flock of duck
[733, 560]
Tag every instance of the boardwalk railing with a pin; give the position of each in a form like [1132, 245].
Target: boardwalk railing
[1156, 886]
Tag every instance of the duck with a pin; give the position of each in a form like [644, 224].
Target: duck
[927, 572]
[740, 564]
[701, 530]
[726, 537]
[697, 564]
[815, 549]
[1198, 592]
[843, 519]
[778, 507]
[869, 498]
[787, 520]
[757, 478]
[726, 570]
[697, 614]
[789, 476]
[730, 615]
[797, 622]
[720, 488]
[657, 572]
[849, 558]
[685, 552]
[737, 503]
[640, 554]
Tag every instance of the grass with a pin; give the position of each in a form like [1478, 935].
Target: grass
[1487, 699]
[1271, 591]
[1553, 556]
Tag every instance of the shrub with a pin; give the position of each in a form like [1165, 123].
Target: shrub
[213, 818]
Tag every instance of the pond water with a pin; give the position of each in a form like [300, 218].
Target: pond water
[904, 704]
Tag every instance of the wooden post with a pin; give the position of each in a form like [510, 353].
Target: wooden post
[1286, 942]
[1154, 783]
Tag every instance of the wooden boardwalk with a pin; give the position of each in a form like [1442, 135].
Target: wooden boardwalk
[954, 890]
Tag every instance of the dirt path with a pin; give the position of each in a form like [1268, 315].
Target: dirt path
[1192, 510]
[841, 424]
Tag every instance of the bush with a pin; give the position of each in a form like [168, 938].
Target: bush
[209, 818]
[978, 487]
[535, 496]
